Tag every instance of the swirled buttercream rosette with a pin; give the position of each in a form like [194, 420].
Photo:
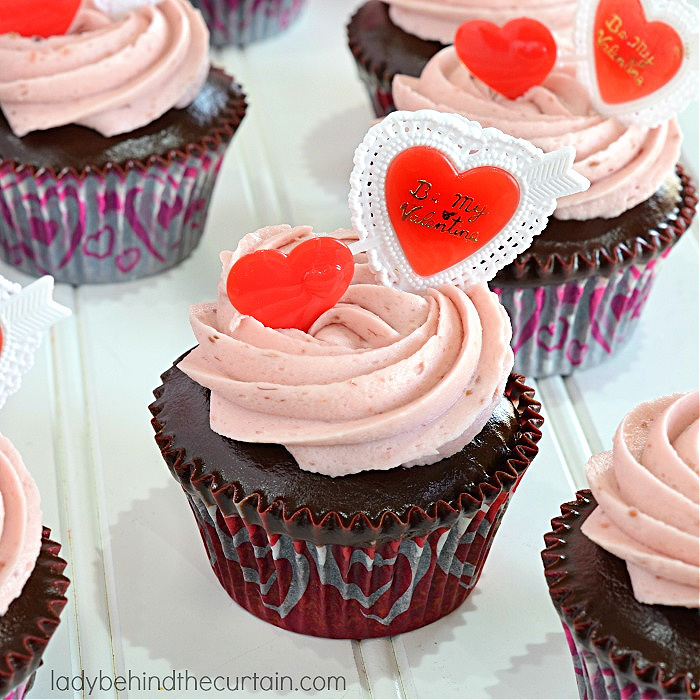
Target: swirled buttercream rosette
[622, 566]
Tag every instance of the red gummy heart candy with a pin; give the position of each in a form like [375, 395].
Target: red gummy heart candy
[291, 291]
[440, 216]
[510, 59]
[42, 18]
[633, 57]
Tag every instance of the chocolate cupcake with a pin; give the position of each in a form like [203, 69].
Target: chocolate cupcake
[241, 22]
[576, 295]
[329, 506]
[622, 566]
[32, 585]
[113, 181]
[390, 37]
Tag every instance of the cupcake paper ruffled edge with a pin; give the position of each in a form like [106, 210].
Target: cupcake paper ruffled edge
[301, 524]
[530, 269]
[226, 125]
[585, 632]
[18, 664]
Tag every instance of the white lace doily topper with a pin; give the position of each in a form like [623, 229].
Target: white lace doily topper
[438, 199]
[638, 58]
[25, 314]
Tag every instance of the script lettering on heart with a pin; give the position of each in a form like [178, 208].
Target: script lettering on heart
[437, 199]
[441, 216]
[640, 56]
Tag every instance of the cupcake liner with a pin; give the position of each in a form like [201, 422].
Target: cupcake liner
[242, 22]
[348, 576]
[22, 640]
[604, 668]
[343, 591]
[580, 322]
[560, 328]
[114, 223]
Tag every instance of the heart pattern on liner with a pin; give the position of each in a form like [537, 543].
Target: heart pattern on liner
[510, 59]
[444, 218]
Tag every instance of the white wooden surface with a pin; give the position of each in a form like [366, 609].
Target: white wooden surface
[143, 599]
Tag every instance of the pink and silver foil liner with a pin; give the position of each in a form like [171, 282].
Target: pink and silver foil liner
[241, 22]
[560, 328]
[597, 679]
[109, 226]
[344, 591]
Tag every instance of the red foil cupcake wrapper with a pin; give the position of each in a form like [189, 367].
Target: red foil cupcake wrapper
[346, 592]
[604, 669]
[20, 658]
[117, 222]
[241, 22]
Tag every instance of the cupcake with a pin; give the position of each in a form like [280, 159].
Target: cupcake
[241, 22]
[347, 479]
[32, 585]
[623, 564]
[400, 36]
[576, 295]
[111, 140]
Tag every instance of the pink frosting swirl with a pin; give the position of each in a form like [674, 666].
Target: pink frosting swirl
[112, 75]
[384, 378]
[625, 163]
[648, 493]
[20, 524]
[438, 19]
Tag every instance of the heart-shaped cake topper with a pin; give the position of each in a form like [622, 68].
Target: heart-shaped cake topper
[42, 18]
[25, 314]
[291, 290]
[510, 59]
[437, 199]
[639, 58]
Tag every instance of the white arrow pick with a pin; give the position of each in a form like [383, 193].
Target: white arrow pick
[25, 314]
[554, 176]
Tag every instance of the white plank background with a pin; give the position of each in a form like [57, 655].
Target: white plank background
[143, 599]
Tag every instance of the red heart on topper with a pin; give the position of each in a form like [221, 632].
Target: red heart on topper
[440, 216]
[633, 57]
[510, 59]
[291, 290]
[38, 17]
